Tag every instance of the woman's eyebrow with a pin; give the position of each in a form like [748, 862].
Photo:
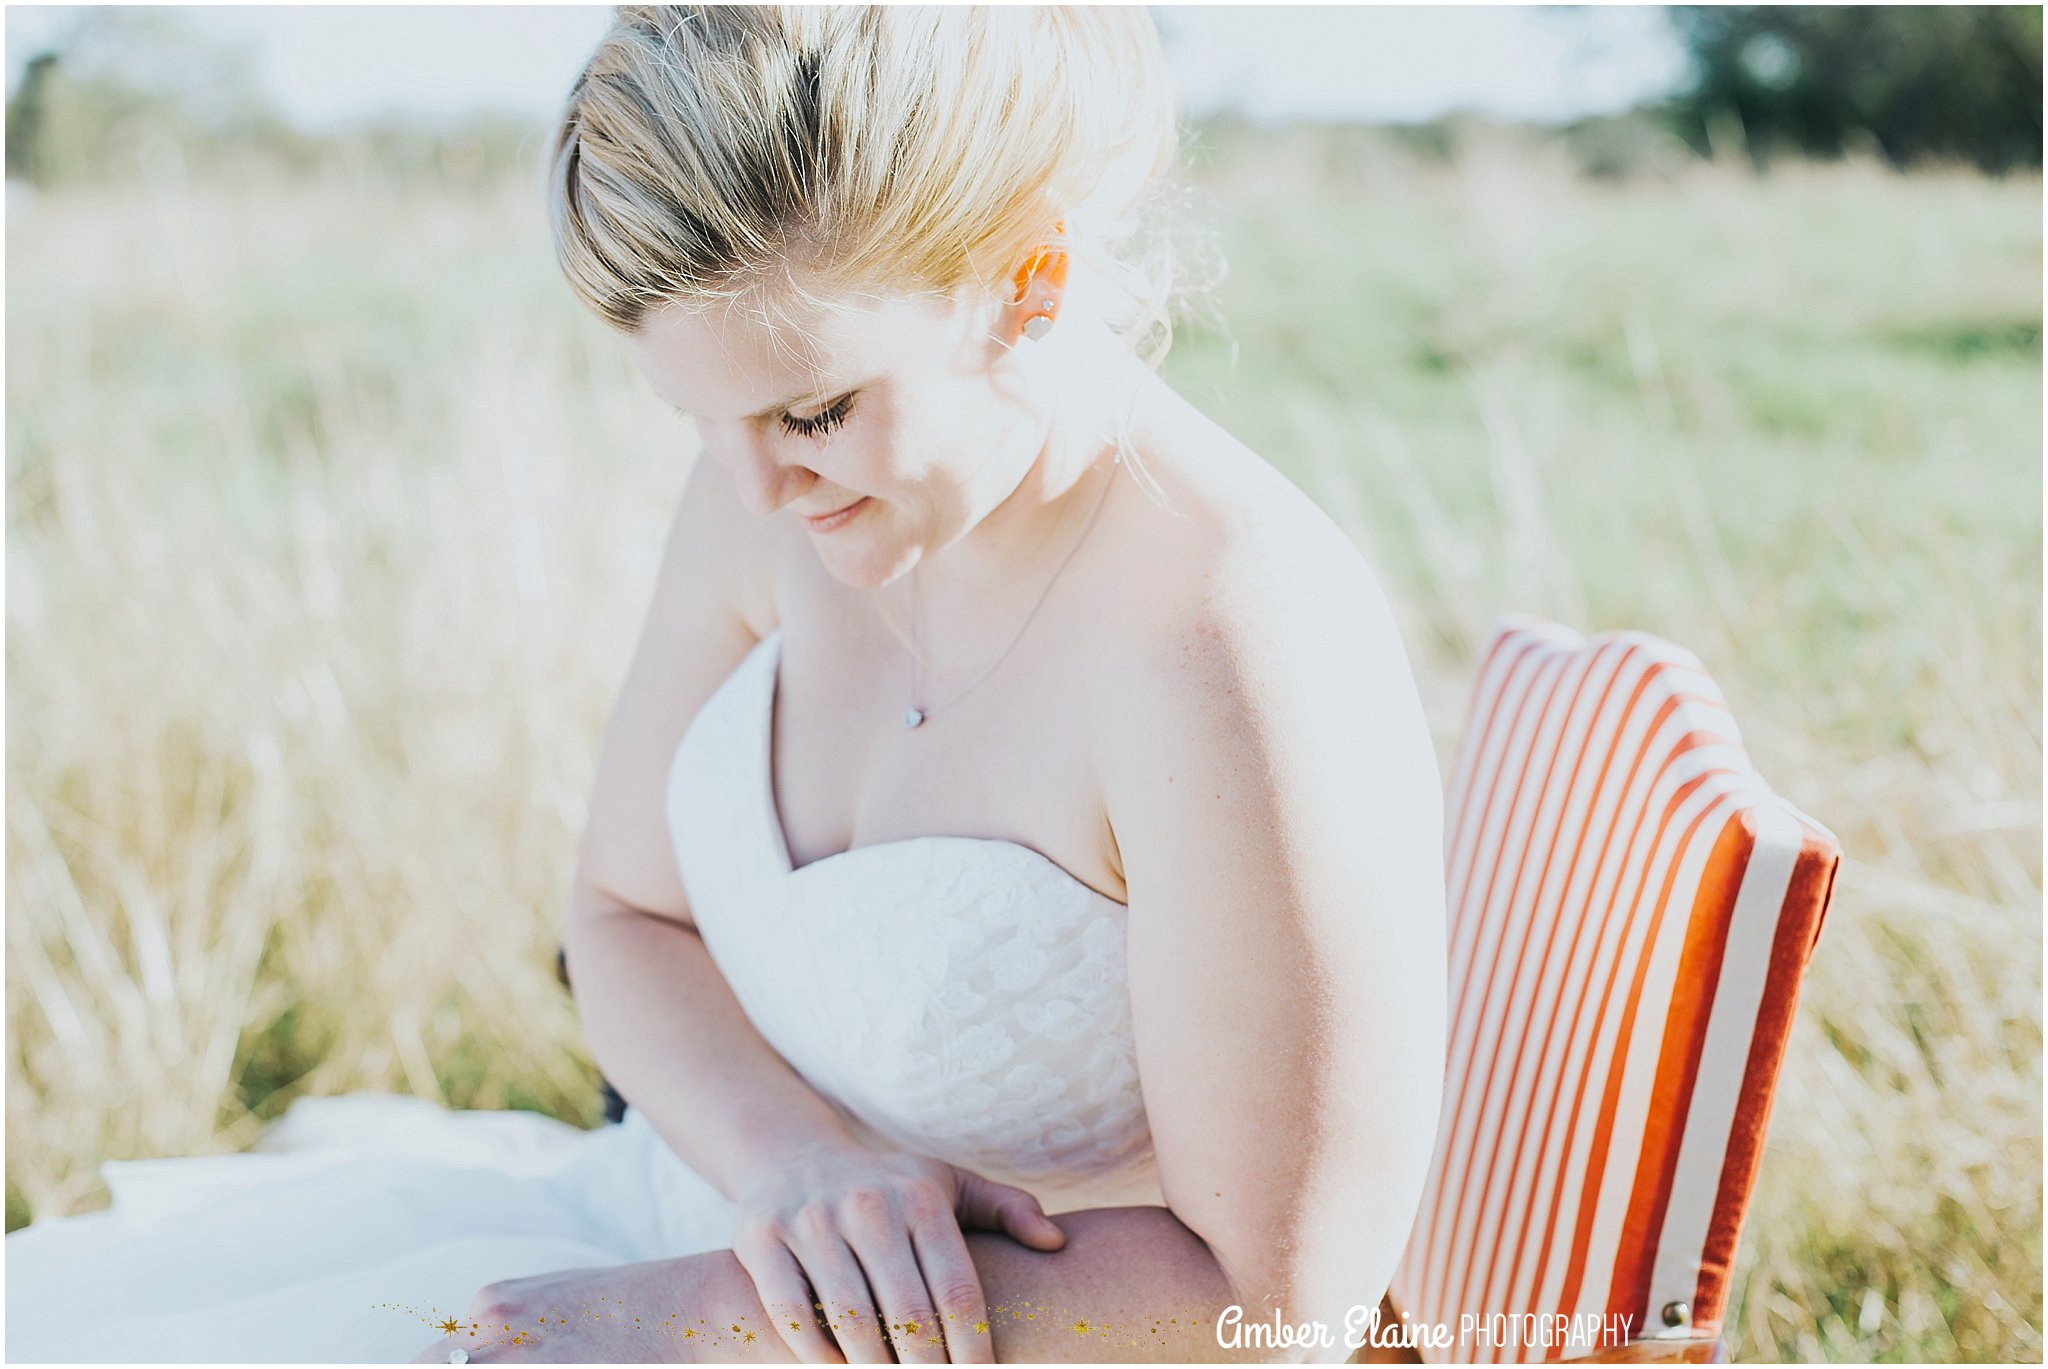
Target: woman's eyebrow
[811, 398]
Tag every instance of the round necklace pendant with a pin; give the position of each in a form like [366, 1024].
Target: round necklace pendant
[912, 717]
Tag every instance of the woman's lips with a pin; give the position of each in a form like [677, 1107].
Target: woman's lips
[829, 521]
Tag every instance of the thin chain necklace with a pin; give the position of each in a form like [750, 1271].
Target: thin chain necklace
[914, 715]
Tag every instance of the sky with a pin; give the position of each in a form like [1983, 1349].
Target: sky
[327, 65]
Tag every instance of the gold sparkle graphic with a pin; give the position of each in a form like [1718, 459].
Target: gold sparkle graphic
[1158, 1335]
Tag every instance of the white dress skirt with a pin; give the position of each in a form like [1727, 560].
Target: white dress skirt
[357, 1223]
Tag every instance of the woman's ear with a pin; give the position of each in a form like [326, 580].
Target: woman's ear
[1041, 285]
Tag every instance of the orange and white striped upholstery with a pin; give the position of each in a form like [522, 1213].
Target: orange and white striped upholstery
[1631, 911]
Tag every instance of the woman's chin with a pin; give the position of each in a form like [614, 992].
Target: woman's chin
[869, 568]
[856, 567]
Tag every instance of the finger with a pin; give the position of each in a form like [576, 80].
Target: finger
[989, 1206]
[845, 1304]
[475, 1349]
[910, 1317]
[786, 1299]
[485, 1353]
[955, 1287]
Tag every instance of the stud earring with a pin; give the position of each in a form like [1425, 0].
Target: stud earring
[1038, 325]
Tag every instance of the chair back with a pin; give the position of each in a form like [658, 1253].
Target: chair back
[1631, 912]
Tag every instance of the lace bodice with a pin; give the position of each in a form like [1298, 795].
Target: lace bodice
[962, 997]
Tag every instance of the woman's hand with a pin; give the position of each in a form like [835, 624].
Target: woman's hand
[875, 1238]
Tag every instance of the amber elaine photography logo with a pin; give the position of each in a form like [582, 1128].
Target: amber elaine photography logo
[1473, 1331]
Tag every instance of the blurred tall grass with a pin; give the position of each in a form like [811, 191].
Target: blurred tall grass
[331, 521]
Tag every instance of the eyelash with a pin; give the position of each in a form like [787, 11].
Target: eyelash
[818, 424]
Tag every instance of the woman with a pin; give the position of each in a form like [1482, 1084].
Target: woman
[1010, 905]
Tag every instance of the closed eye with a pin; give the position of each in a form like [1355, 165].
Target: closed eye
[819, 424]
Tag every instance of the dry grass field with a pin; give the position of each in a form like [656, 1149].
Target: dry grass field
[330, 522]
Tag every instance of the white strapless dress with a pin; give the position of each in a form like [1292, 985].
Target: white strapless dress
[960, 997]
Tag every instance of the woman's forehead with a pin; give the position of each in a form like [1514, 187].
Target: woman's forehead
[731, 361]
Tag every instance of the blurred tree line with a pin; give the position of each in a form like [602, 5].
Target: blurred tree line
[137, 92]
[133, 92]
[1919, 82]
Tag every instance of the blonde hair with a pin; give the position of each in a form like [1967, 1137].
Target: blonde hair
[706, 153]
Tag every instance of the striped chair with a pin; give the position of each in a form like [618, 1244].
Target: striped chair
[1631, 912]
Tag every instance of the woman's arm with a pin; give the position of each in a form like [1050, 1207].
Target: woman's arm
[1279, 819]
[658, 1016]
[1129, 1285]
[664, 1026]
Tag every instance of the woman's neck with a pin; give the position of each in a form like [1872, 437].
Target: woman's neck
[1104, 386]
[996, 571]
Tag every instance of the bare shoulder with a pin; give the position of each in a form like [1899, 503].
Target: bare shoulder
[1270, 664]
[1252, 584]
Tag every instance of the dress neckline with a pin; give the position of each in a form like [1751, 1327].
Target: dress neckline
[779, 842]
